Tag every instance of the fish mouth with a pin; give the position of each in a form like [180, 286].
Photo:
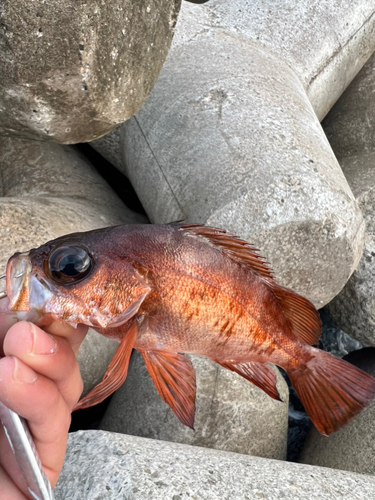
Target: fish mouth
[25, 294]
[17, 282]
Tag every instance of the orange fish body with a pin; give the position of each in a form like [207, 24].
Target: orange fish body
[179, 288]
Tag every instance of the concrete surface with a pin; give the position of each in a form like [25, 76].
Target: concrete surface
[72, 71]
[103, 465]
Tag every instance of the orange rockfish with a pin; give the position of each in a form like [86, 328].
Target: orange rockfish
[185, 288]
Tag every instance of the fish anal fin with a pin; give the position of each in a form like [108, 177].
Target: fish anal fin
[239, 250]
[259, 374]
[174, 379]
[304, 318]
[116, 374]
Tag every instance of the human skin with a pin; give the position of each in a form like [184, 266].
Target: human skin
[39, 380]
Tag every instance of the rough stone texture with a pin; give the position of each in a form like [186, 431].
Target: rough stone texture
[334, 340]
[353, 447]
[110, 147]
[232, 414]
[233, 141]
[326, 42]
[283, 190]
[102, 465]
[354, 308]
[350, 128]
[72, 70]
[94, 356]
[47, 190]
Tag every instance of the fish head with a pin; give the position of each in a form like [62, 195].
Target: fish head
[74, 280]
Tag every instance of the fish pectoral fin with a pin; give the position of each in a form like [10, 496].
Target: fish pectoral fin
[174, 379]
[116, 374]
[259, 374]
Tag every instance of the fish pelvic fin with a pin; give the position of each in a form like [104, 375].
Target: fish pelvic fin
[174, 379]
[259, 374]
[116, 374]
[303, 317]
[332, 390]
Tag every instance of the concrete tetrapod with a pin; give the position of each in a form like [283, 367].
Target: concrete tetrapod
[350, 127]
[232, 414]
[72, 70]
[113, 466]
[47, 190]
[229, 137]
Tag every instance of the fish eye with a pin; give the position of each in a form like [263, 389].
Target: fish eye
[67, 265]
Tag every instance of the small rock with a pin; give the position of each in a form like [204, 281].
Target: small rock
[351, 448]
[232, 414]
[102, 465]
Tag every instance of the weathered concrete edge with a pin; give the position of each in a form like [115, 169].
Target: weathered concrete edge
[351, 61]
[146, 468]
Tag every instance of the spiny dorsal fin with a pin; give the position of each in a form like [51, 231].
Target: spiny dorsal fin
[304, 318]
[236, 248]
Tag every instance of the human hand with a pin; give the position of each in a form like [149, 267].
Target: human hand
[39, 380]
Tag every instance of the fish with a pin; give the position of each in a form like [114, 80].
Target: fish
[180, 288]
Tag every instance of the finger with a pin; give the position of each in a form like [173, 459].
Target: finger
[50, 356]
[9, 490]
[73, 335]
[6, 321]
[37, 399]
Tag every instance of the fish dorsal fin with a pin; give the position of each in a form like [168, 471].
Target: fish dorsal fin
[174, 379]
[259, 374]
[236, 248]
[116, 374]
[304, 318]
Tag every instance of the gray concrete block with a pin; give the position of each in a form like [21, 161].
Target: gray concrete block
[46, 191]
[94, 356]
[72, 71]
[102, 465]
[232, 139]
[232, 414]
[350, 125]
[350, 128]
[243, 150]
[353, 309]
[325, 42]
[352, 447]
[110, 147]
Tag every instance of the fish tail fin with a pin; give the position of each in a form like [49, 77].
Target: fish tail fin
[332, 390]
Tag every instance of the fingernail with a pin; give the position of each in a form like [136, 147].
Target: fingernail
[42, 343]
[22, 373]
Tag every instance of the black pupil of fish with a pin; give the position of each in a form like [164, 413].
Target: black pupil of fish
[69, 264]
